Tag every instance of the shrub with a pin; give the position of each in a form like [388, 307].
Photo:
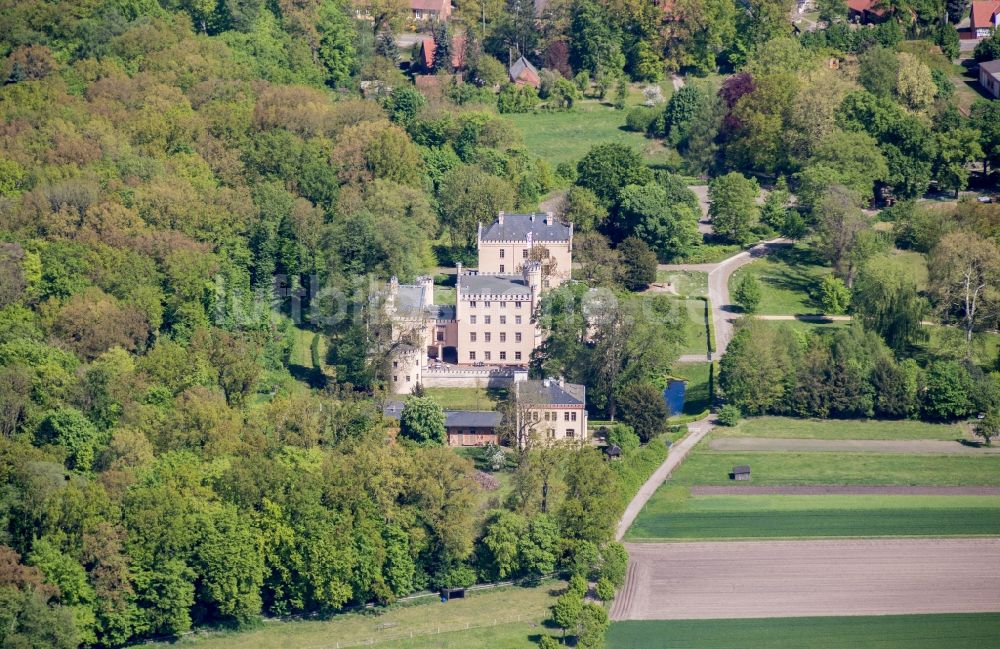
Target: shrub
[624, 437]
[747, 293]
[548, 642]
[577, 585]
[640, 119]
[729, 415]
[605, 589]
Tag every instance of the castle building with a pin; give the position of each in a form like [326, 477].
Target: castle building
[514, 239]
[490, 331]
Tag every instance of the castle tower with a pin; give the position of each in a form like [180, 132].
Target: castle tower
[405, 371]
[426, 284]
[532, 273]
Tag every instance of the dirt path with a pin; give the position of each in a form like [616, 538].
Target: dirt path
[749, 579]
[696, 430]
[846, 490]
[903, 446]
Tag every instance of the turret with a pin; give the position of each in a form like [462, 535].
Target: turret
[532, 273]
[426, 284]
[405, 372]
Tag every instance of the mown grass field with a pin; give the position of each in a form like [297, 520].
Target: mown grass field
[462, 398]
[688, 283]
[694, 326]
[950, 631]
[386, 626]
[788, 279]
[788, 427]
[780, 516]
[567, 136]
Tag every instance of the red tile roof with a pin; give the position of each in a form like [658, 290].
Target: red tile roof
[861, 6]
[457, 52]
[982, 13]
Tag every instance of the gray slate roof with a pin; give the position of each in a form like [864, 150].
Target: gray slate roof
[512, 285]
[517, 226]
[471, 419]
[740, 469]
[991, 67]
[520, 66]
[548, 392]
[408, 300]
[393, 409]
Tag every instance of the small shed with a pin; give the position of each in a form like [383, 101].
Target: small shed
[741, 472]
[452, 593]
[612, 452]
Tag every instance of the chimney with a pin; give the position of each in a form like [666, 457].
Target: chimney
[500, 217]
[548, 218]
[393, 286]
[458, 269]
[562, 382]
[546, 382]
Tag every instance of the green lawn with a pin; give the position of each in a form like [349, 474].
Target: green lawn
[386, 627]
[772, 516]
[787, 427]
[948, 631]
[694, 326]
[688, 283]
[709, 253]
[567, 136]
[788, 279]
[463, 398]
[913, 263]
[704, 467]
[697, 397]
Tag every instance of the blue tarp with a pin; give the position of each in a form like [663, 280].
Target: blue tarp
[674, 396]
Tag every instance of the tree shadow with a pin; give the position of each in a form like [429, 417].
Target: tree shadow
[309, 375]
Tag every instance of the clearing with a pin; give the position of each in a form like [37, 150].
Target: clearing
[758, 579]
[506, 618]
[788, 277]
[463, 398]
[943, 631]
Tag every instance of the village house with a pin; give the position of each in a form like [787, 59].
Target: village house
[989, 77]
[553, 409]
[428, 47]
[523, 73]
[420, 10]
[865, 11]
[983, 18]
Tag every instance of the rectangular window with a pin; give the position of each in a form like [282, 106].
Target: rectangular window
[486, 336]
[501, 253]
[551, 433]
[517, 356]
[570, 433]
[501, 268]
[472, 356]
[503, 337]
[440, 336]
[486, 319]
[503, 305]
[472, 319]
[565, 416]
[524, 253]
[503, 356]
[486, 304]
[536, 416]
[472, 304]
[517, 305]
[395, 378]
[517, 336]
[472, 336]
[487, 355]
[503, 319]
[572, 416]
[395, 364]
[407, 378]
[547, 415]
[517, 319]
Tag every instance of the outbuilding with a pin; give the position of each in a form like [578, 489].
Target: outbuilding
[612, 452]
[741, 472]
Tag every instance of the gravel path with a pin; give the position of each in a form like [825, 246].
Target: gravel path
[696, 430]
[903, 446]
[751, 579]
[829, 490]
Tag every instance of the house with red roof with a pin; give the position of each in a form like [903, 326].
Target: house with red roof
[865, 11]
[430, 9]
[428, 47]
[983, 18]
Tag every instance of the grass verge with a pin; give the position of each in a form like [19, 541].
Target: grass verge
[790, 428]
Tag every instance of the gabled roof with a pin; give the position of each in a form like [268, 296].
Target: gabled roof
[982, 13]
[515, 227]
[430, 5]
[393, 409]
[548, 392]
[513, 285]
[861, 6]
[471, 419]
[741, 469]
[428, 47]
[523, 71]
[991, 68]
